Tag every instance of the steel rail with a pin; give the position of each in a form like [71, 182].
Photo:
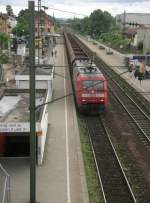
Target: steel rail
[101, 63]
[112, 179]
[133, 115]
[108, 164]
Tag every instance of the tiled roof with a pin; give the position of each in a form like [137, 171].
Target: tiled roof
[4, 16]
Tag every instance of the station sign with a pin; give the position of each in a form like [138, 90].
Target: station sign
[16, 127]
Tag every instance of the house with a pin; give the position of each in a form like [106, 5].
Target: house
[43, 24]
[143, 36]
[12, 21]
[131, 32]
[4, 23]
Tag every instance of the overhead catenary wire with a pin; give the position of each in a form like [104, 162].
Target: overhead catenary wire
[56, 9]
[72, 93]
[64, 11]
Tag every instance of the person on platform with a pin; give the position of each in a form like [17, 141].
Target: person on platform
[52, 53]
[55, 53]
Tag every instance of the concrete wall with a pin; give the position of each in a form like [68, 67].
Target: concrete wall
[24, 84]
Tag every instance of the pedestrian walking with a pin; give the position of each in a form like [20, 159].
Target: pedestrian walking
[55, 53]
[52, 53]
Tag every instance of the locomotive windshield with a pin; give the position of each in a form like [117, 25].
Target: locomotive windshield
[92, 84]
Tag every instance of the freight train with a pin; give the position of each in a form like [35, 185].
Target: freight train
[90, 85]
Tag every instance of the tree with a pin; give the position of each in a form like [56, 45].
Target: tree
[76, 24]
[9, 10]
[3, 57]
[22, 27]
[140, 46]
[4, 38]
[85, 28]
[96, 24]
[100, 22]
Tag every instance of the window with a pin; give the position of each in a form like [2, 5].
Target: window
[93, 84]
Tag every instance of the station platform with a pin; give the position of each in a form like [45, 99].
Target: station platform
[61, 177]
[117, 59]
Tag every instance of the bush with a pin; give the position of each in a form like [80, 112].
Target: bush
[3, 59]
[115, 39]
[140, 46]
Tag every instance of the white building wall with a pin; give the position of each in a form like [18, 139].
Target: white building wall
[143, 35]
[24, 84]
[43, 129]
[141, 18]
[12, 21]
[42, 139]
[21, 49]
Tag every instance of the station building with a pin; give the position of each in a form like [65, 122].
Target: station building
[15, 114]
[44, 79]
[15, 123]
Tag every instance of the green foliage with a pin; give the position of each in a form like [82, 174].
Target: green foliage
[100, 22]
[85, 28]
[4, 38]
[76, 24]
[9, 10]
[94, 25]
[22, 27]
[94, 190]
[3, 59]
[115, 39]
[140, 46]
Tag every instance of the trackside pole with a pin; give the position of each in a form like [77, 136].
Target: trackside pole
[32, 105]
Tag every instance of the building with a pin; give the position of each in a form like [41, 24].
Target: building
[143, 37]
[43, 24]
[127, 18]
[15, 123]
[4, 23]
[44, 79]
[12, 21]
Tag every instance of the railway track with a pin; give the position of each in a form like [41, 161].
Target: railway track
[139, 118]
[112, 178]
[109, 73]
[135, 110]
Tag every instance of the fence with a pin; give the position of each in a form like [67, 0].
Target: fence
[4, 186]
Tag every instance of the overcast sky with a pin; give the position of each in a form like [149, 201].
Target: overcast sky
[84, 7]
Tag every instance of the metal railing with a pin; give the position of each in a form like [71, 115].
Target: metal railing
[4, 186]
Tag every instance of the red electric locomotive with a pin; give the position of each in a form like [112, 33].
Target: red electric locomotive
[90, 85]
